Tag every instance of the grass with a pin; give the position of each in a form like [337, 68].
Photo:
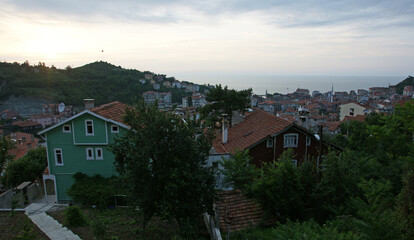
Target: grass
[19, 226]
[120, 223]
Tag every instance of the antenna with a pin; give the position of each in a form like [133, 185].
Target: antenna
[61, 107]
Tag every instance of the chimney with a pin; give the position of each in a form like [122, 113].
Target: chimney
[224, 125]
[89, 103]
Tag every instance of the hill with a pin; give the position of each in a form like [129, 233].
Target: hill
[409, 81]
[99, 80]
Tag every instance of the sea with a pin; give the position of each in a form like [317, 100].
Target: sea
[289, 83]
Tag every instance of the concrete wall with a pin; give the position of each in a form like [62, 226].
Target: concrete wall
[34, 191]
[6, 198]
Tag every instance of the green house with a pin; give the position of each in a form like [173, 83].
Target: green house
[80, 144]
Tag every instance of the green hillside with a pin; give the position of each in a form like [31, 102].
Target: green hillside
[99, 80]
[409, 81]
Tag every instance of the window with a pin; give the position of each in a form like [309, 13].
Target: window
[291, 140]
[114, 129]
[89, 127]
[269, 143]
[66, 128]
[351, 111]
[308, 140]
[99, 153]
[58, 157]
[89, 153]
[294, 162]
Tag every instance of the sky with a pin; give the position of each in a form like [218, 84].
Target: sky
[183, 37]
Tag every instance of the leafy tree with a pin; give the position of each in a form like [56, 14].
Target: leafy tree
[223, 100]
[95, 190]
[163, 159]
[5, 145]
[278, 189]
[27, 168]
[237, 170]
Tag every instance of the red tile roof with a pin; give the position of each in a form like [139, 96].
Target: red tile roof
[23, 142]
[114, 111]
[359, 118]
[27, 123]
[239, 211]
[256, 127]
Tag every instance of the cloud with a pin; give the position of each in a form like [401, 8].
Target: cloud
[298, 13]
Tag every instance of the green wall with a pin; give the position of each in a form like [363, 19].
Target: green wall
[74, 156]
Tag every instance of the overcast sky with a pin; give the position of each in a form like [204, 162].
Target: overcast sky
[302, 37]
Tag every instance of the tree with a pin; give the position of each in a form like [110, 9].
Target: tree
[278, 188]
[163, 160]
[224, 100]
[5, 145]
[27, 168]
[237, 170]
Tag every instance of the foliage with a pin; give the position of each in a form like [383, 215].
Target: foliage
[5, 145]
[405, 205]
[110, 83]
[409, 81]
[27, 233]
[74, 217]
[27, 168]
[224, 100]
[99, 229]
[297, 231]
[237, 170]
[278, 189]
[95, 190]
[163, 159]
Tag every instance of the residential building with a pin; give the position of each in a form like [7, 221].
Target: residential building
[27, 126]
[408, 91]
[351, 109]
[22, 143]
[267, 137]
[80, 144]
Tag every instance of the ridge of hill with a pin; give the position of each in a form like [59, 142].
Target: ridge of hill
[409, 81]
[102, 81]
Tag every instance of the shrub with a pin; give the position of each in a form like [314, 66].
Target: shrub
[95, 190]
[74, 217]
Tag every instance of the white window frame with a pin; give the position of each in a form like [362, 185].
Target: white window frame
[308, 140]
[287, 143]
[294, 162]
[66, 131]
[56, 156]
[89, 156]
[269, 143]
[86, 127]
[112, 129]
[97, 155]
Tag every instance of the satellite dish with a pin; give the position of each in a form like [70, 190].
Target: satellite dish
[317, 137]
[61, 107]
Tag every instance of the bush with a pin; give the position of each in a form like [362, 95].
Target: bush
[74, 217]
[99, 229]
[95, 190]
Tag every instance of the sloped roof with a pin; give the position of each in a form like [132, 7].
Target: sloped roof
[111, 112]
[114, 111]
[239, 211]
[256, 127]
[27, 123]
[359, 118]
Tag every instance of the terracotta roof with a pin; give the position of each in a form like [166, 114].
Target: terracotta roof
[332, 126]
[239, 211]
[23, 142]
[359, 118]
[27, 123]
[114, 111]
[256, 127]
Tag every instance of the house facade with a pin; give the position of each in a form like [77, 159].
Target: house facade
[267, 136]
[80, 144]
[351, 109]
